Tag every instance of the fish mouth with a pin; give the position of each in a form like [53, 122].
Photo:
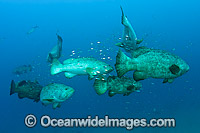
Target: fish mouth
[187, 68]
[70, 93]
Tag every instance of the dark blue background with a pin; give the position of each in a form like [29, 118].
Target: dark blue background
[169, 25]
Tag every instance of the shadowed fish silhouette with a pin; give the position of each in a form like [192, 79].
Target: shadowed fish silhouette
[56, 51]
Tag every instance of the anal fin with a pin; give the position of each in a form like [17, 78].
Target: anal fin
[69, 75]
[139, 75]
[168, 80]
[55, 105]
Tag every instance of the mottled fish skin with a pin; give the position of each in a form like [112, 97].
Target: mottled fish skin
[83, 63]
[153, 63]
[81, 66]
[30, 90]
[120, 85]
[116, 85]
[55, 93]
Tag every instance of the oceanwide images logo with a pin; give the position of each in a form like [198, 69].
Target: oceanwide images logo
[129, 124]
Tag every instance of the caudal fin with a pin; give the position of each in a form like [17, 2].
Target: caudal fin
[124, 19]
[12, 87]
[56, 67]
[122, 63]
[100, 86]
[123, 16]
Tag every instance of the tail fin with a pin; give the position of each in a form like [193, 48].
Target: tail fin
[123, 16]
[56, 67]
[124, 19]
[122, 62]
[60, 40]
[59, 43]
[100, 86]
[12, 87]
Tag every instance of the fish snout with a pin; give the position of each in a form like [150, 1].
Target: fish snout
[70, 93]
[185, 69]
[188, 68]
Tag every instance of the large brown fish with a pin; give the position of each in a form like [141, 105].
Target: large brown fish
[26, 89]
[153, 63]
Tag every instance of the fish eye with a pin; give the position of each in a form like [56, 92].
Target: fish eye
[66, 88]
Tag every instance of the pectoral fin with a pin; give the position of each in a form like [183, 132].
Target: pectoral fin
[127, 94]
[139, 41]
[139, 75]
[90, 72]
[120, 44]
[165, 80]
[90, 77]
[69, 75]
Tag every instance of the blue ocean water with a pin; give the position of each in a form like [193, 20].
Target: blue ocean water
[85, 24]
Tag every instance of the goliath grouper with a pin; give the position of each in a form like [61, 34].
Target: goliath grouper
[116, 85]
[22, 69]
[55, 94]
[26, 89]
[153, 63]
[80, 66]
[56, 51]
[129, 39]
